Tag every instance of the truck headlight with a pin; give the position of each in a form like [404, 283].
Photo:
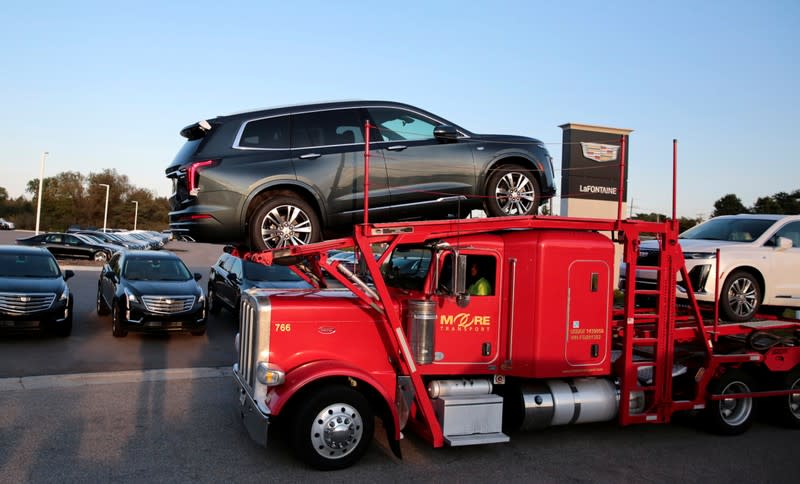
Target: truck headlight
[269, 375]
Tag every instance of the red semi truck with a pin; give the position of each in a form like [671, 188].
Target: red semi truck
[403, 339]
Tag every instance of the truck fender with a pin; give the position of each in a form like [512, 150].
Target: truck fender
[309, 373]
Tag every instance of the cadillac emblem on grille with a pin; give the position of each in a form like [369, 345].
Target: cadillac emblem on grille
[25, 299]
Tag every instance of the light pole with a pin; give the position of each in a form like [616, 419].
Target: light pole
[135, 213]
[105, 214]
[41, 182]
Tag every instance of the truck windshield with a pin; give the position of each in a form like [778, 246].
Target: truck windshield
[407, 267]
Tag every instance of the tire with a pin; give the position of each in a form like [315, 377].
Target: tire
[348, 419]
[788, 407]
[732, 416]
[214, 306]
[116, 324]
[100, 256]
[512, 190]
[740, 297]
[102, 309]
[282, 221]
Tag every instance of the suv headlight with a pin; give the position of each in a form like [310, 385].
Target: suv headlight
[131, 296]
[699, 255]
[64, 295]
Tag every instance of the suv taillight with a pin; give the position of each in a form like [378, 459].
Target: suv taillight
[192, 174]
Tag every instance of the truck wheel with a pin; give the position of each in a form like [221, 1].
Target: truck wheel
[512, 190]
[283, 221]
[731, 416]
[117, 328]
[740, 297]
[213, 304]
[100, 256]
[333, 428]
[102, 309]
[788, 407]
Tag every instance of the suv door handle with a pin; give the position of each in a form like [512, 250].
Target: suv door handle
[310, 156]
[396, 147]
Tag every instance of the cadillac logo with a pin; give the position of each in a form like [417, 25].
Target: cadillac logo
[25, 299]
[168, 301]
[600, 153]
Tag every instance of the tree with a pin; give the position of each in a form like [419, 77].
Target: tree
[685, 223]
[730, 204]
[3, 194]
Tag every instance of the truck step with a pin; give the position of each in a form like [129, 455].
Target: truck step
[476, 439]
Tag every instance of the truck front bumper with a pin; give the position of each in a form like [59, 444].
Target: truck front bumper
[255, 420]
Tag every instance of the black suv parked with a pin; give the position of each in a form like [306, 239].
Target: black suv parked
[282, 176]
[230, 276]
[150, 291]
[71, 246]
[33, 291]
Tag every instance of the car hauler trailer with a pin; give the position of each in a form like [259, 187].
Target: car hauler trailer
[404, 339]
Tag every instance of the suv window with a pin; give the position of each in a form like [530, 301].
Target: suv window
[269, 133]
[114, 264]
[326, 128]
[402, 125]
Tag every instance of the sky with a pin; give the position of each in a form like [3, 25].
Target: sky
[108, 85]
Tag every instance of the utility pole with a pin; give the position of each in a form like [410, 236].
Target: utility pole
[41, 182]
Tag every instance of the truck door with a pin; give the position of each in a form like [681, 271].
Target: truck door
[469, 334]
[587, 313]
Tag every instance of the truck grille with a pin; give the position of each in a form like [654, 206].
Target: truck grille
[168, 304]
[248, 340]
[15, 303]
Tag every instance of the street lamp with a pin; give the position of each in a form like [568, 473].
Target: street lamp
[135, 213]
[41, 182]
[105, 214]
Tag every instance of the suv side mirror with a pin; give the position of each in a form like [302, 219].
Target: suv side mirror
[784, 243]
[197, 276]
[445, 133]
[68, 273]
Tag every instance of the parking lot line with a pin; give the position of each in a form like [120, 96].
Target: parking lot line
[130, 376]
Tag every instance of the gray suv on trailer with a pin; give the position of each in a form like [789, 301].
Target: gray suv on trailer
[291, 175]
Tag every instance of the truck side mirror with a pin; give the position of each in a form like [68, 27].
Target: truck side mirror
[460, 275]
[460, 278]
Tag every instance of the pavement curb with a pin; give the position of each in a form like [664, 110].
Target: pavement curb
[105, 378]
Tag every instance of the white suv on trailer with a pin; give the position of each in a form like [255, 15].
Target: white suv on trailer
[759, 263]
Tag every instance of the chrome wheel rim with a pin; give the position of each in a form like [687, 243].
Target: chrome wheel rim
[286, 225]
[336, 431]
[735, 411]
[742, 297]
[515, 193]
[794, 400]
[100, 257]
